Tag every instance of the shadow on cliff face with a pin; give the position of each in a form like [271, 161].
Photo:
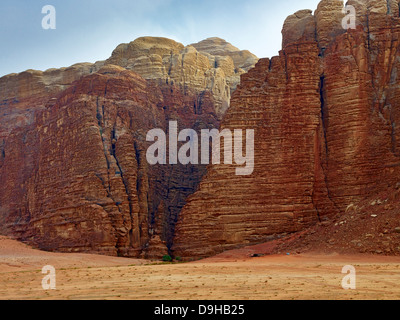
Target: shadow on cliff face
[77, 179]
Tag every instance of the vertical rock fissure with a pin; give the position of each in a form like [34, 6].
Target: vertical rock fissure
[137, 155]
[368, 31]
[286, 66]
[123, 180]
[393, 134]
[121, 172]
[3, 153]
[113, 153]
[100, 121]
[323, 109]
[324, 123]
[142, 224]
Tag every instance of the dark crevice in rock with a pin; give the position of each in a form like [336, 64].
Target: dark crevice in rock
[368, 32]
[142, 192]
[104, 185]
[393, 133]
[324, 110]
[394, 140]
[98, 114]
[2, 153]
[123, 179]
[100, 120]
[198, 104]
[120, 172]
[107, 153]
[286, 66]
[325, 124]
[137, 155]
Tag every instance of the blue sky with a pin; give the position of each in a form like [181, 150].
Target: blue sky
[89, 30]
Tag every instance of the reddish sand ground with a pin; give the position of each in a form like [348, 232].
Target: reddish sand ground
[232, 275]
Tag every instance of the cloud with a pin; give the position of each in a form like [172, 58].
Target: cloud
[89, 30]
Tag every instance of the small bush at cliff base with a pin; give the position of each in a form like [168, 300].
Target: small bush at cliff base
[167, 258]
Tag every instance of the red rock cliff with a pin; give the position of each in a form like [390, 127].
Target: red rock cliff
[77, 179]
[325, 114]
[73, 168]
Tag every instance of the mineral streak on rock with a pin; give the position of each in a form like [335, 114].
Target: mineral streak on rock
[325, 112]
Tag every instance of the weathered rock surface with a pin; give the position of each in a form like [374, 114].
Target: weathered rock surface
[325, 114]
[243, 59]
[72, 147]
[215, 66]
[21, 94]
[159, 59]
[76, 177]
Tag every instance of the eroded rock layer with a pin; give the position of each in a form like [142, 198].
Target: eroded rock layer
[213, 64]
[325, 114]
[73, 168]
[77, 178]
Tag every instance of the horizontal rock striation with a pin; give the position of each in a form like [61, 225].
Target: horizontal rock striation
[24, 93]
[77, 179]
[213, 64]
[325, 114]
[73, 152]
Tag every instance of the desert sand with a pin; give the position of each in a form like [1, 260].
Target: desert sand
[233, 275]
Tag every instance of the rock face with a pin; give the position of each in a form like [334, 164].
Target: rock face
[22, 94]
[73, 147]
[77, 178]
[325, 114]
[212, 65]
[161, 60]
[217, 47]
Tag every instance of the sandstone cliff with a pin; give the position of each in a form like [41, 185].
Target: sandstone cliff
[213, 64]
[325, 114]
[76, 178]
[215, 67]
[72, 148]
[21, 94]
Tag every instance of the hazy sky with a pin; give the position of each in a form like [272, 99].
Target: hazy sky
[89, 30]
